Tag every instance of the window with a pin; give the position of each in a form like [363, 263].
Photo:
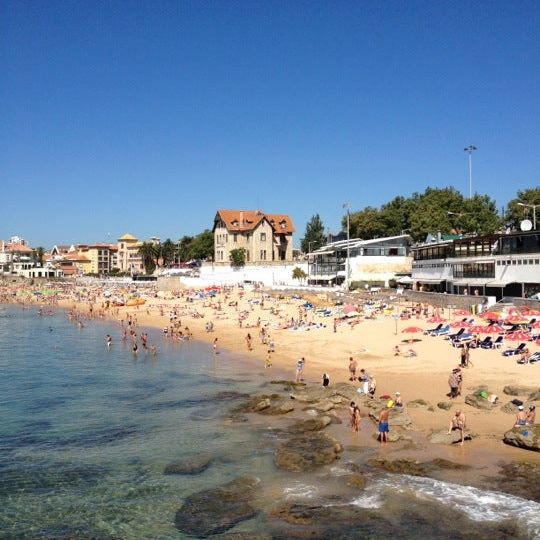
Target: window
[263, 254]
[263, 237]
[235, 238]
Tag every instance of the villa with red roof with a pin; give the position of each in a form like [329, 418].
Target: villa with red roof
[265, 237]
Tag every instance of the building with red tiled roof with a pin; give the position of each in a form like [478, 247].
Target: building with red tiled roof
[265, 237]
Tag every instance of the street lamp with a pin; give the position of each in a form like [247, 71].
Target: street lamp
[534, 207]
[347, 206]
[309, 258]
[470, 149]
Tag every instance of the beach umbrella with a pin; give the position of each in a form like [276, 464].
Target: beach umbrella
[461, 313]
[518, 336]
[515, 320]
[538, 342]
[460, 324]
[477, 329]
[412, 330]
[491, 315]
[352, 314]
[348, 308]
[494, 329]
[535, 325]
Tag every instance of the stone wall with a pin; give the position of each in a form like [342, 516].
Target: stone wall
[442, 300]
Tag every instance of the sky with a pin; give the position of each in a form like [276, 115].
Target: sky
[148, 116]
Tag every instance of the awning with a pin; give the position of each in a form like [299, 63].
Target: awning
[495, 283]
[473, 282]
[428, 280]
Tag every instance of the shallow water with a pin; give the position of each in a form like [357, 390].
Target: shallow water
[86, 432]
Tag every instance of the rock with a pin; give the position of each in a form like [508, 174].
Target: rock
[527, 437]
[355, 480]
[311, 424]
[261, 405]
[401, 466]
[337, 400]
[431, 408]
[509, 408]
[519, 390]
[521, 479]
[534, 396]
[445, 405]
[443, 437]
[398, 417]
[335, 419]
[417, 403]
[391, 436]
[230, 395]
[440, 463]
[307, 452]
[291, 384]
[193, 465]
[324, 406]
[243, 535]
[477, 401]
[265, 404]
[218, 509]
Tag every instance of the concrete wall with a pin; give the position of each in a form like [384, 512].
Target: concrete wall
[441, 300]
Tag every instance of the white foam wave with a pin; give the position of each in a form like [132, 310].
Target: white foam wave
[368, 499]
[477, 504]
[300, 491]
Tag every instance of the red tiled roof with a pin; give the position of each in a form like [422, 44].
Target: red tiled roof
[75, 257]
[281, 223]
[247, 220]
[18, 248]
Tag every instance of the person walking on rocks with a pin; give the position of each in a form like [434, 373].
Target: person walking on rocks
[356, 419]
[299, 369]
[352, 368]
[383, 424]
[364, 379]
[458, 423]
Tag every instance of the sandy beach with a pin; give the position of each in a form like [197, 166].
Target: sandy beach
[369, 340]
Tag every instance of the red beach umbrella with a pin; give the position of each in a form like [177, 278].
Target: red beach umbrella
[348, 308]
[462, 313]
[477, 329]
[515, 320]
[460, 324]
[436, 319]
[491, 316]
[518, 336]
[411, 330]
[494, 329]
[535, 325]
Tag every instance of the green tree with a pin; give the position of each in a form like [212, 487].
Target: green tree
[168, 252]
[298, 274]
[516, 213]
[314, 237]
[184, 248]
[38, 254]
[148, 253]
[202, 246]
[237, 257]
[367, 223]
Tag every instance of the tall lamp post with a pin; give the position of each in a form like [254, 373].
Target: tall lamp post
[347, 206]
[534, 207]
[309, 258]
[470, 149]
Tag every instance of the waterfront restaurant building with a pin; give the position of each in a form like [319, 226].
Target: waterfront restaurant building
[375, 261]
[492, 265]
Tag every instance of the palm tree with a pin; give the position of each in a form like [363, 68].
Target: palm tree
[168, 252]
[148, 253]
[38, 254]
[298, 274]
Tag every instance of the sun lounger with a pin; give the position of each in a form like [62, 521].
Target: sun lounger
[531, 360]
[456, 335]
[442, 331]
[512, 352]
[486, 343]
[428, 332]
[460, 340]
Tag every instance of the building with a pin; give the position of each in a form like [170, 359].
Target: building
[101, 257]
[374, 261]
[265, 237]
[15, 255]
[128, 257]
[494, 265]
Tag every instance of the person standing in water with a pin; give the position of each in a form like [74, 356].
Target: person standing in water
[109, 341]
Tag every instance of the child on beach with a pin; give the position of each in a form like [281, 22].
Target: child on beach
[268, 361]
[325, 379]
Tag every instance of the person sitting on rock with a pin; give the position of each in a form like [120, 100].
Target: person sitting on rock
[398, 402]
[521, 417]
[458, 423]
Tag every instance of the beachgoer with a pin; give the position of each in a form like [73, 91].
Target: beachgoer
[351, 414]
[453, 383]
[299, 369]
[398, 401]
[215, 346]
[356, 419]
[364, 379]
[521, 417]
[458, 423]
[325, 379]
[109, 341]
[383, 423]
[397, 352]
[352, 368]
[248, 342]
[531, 415]
[268, 361]
[372, 387]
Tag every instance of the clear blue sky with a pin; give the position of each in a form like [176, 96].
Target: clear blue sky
[148, 116]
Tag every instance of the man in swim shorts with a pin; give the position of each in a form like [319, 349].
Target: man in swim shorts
[458, 422]
[383, 424]
[521, 417]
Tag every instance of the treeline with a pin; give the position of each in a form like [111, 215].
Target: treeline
[439, 210]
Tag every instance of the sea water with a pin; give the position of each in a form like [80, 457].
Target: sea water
[86, 433]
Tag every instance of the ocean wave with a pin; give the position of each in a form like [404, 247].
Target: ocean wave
[300, 491]
[477, 504]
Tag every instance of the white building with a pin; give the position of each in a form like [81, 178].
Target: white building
[494, 265]
[375, 261]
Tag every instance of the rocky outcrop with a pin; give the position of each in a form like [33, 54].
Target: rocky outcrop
[216, 510]
[445, 405]
[312, 424]
[307, 452]
[519, 390]
[527, 437]
[192, 465]
[477, 401]
[273, 404]
[400, 466]
[534, 396]
[417, 403]
[443, 437]
[398, 417]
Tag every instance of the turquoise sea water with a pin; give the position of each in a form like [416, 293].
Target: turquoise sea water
[86, 432]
